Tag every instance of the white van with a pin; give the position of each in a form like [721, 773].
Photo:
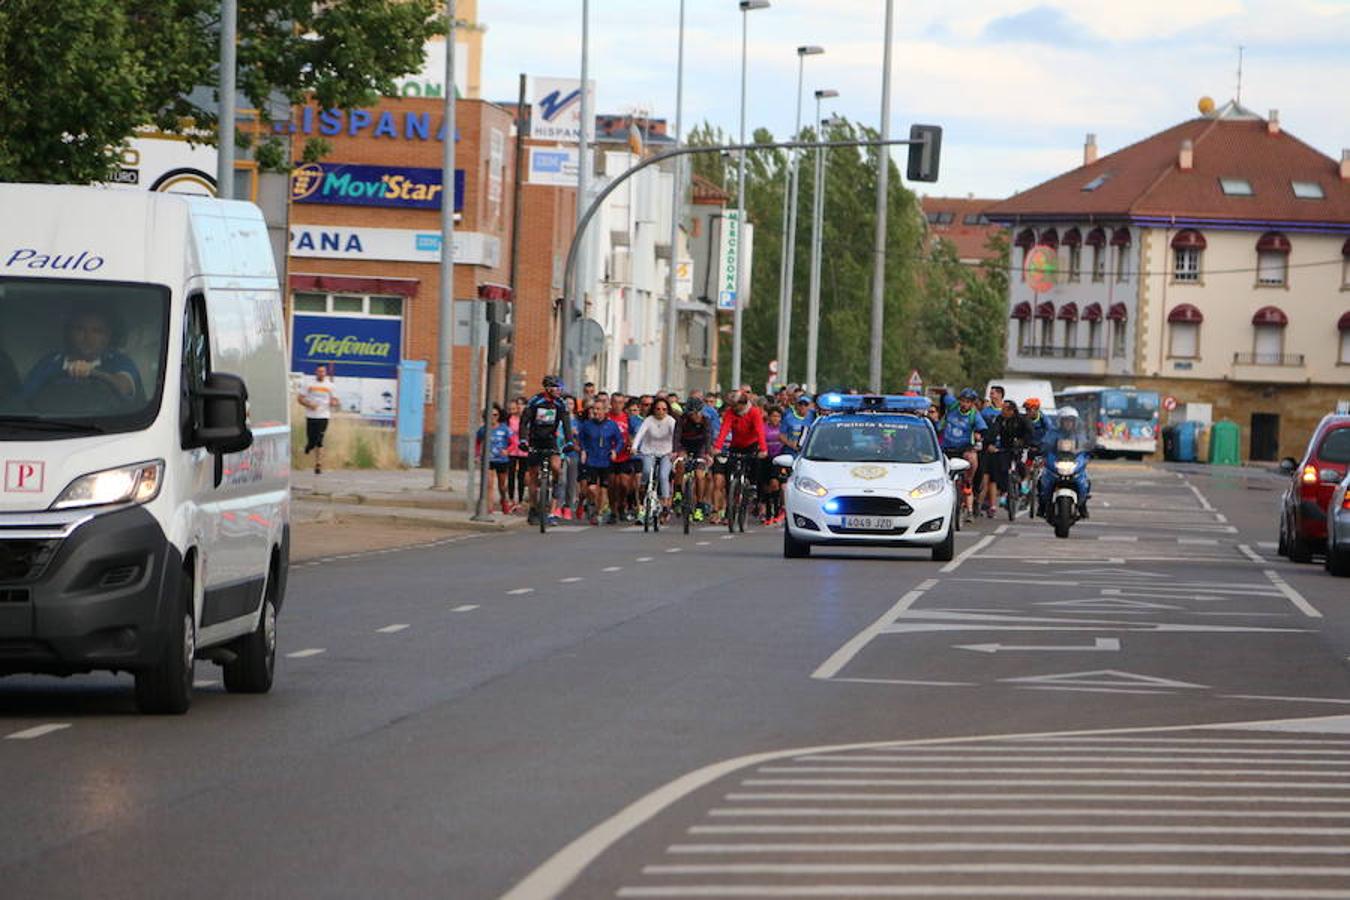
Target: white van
[144, 439]
[1020, 390]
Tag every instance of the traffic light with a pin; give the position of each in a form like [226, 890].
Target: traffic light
[923, 155]
[500, 332]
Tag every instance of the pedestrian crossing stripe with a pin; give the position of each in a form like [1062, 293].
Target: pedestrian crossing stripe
[1109, 603]
[1104, 678]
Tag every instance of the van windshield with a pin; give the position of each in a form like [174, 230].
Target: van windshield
[79, 357]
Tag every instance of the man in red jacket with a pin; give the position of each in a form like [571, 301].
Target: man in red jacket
[742, 433]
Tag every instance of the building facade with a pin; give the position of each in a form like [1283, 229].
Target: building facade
[1210, 262]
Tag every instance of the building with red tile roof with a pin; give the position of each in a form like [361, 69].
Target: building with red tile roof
[962, 221]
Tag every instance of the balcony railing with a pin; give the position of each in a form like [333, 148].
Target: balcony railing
[1065, 352]
[1267, 359]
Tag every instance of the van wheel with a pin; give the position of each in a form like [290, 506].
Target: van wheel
[166, 689]
[944, 551]
[793, 548]
[256, 654]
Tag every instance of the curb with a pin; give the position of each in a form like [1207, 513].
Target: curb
[338, 512]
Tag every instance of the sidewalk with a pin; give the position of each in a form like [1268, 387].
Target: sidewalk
[401, 496]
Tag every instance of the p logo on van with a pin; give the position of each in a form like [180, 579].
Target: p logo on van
[23, 476]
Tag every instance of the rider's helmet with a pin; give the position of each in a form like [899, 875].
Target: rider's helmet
[693, 405]
[552, 381]
[969, 394]
[1032, 404]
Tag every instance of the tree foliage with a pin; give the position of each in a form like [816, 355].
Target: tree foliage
[80, 76]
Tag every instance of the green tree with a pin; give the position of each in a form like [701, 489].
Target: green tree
[982, 319]
[80, 76]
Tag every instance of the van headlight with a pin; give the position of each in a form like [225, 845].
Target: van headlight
[930, 488]
[1066, 466]
[809, 486]
[139, 483]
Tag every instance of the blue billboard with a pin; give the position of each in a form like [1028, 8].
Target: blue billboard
[400, 187]
[350, 347]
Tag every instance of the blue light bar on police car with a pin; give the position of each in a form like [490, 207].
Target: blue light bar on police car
[873, 403]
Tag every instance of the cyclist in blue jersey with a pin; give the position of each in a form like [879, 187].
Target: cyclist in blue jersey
[795, 422]
[960, 428]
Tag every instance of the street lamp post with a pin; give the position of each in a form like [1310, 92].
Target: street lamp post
[817, 226]
[883, 177]
[229, 14]
[747, 6]
[676, 195]
[445, 346]
[789, 263]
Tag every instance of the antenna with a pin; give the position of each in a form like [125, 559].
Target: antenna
[1239, 74]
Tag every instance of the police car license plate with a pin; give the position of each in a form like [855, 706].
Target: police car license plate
[870, 523]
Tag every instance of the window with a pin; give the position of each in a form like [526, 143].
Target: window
[348, 304]
[1272, 268]
[1024, 335]
[1236, 187]
[1268, 343]
[317, 303]
[1184, 340]
[1075, 262]
[974, 219]
[1308, 190]
[385, 306]
[1095, 336]
[1070, 334]
[940, 218]
[884, 441]
[1098, 263]
[1117, 339]
[1097, 182]
[1187, 266]
[1122, 263]
[1345, 347]
[1047, 332]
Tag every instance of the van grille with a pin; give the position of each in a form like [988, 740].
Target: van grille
[25, 560]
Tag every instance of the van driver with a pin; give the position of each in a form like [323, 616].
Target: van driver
[91, 355]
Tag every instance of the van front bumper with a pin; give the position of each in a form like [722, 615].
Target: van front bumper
[80, 592]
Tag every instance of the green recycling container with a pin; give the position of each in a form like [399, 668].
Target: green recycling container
[1224, 440]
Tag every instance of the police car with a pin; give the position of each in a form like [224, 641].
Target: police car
[871, 474]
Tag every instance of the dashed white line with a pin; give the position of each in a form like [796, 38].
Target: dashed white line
[644, 559]
[468, 607]
[703, 544]
[302, 654]
[205, 682]
[1251, 554]
[391, 629]
[572, 580]
[37, 731]
[518, 591]
[728, 537]
[968, 553]
[1205, 541]
[1123, 538]
[612, 569]
[1294, 597]
[675, 550]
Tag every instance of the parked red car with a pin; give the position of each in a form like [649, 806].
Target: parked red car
[1303, 508]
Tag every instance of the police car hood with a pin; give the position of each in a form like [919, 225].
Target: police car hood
[880, 476]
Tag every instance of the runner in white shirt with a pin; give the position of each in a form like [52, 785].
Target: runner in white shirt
[655, 441]
[319, 401]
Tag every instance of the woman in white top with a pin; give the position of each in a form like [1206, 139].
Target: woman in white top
[655, 442]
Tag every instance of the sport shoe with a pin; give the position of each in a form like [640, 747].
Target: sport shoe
[698, 514]
[567, 513]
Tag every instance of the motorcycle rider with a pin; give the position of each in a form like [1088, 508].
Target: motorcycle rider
[1068, 432]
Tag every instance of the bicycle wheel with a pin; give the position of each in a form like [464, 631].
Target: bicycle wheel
[1014, 493]
[743, 508]
[544, 506]
[687, 500]
[733, 503]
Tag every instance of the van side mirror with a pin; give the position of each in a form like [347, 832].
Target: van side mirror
[224, 404]
[1288, 465]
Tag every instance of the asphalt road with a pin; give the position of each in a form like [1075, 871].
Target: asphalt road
[601, 713]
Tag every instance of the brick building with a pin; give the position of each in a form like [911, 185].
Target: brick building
[1209, 262]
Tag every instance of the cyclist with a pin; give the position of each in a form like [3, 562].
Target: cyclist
[540, 422]
[1004, 440]
[742, 434]
[600, 441]
[693, 440]
[771, 477]
[961, 426]
[655, 442]
[1037, 424]
[794, 425]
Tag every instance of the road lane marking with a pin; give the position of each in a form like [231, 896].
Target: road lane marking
[392, 629]
[1204, 503]
[1289, 699]
[988, 868]
[703, 543]
[1073, 755]
[205, 682]
[1267, 545]
[845, 654]
[911, 889]
[37, 731]
[304, 654]
[519, 591]
[1108, 644]
[468, 607]
[644, 559]
[1300, 602]
[927, 810]
[1123, 538]
[908, 681]
[1034, 770]
[675, 550]
[968, 553]
[1251, 554]
[1205, 541]
[612, 569]
[1016, 847]
[572, 580]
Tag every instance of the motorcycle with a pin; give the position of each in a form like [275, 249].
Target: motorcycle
[1066, 499]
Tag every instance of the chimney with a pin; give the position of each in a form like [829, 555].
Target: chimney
[1090, 150]
[1273, 123]
[1345, 165]
[1186, 158]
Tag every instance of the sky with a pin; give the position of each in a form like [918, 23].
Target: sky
[1016, 86]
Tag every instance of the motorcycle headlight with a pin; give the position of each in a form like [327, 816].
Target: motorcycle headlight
[139, 483]
[809, 486]
[929, 488]
[1066, 466]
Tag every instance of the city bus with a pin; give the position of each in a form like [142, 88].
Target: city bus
[1123, 421]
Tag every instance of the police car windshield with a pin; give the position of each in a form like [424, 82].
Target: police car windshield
[79, 357]
[877, 439]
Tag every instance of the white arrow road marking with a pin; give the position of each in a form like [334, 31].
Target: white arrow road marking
[1110, 644]
[1103, 678]
[36, 731]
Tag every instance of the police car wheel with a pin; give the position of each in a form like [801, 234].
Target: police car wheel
[944, 551]
[793, 548]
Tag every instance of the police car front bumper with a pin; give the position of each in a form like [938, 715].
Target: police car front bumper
[885, 519]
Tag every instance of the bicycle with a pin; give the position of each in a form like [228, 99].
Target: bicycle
[651, 501]
[692, 465]
[740, 489]
[1016, 484]
[961, 484]
[543, 505]
[1035, 469]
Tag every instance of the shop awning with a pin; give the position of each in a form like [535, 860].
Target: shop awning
[1270, 315]
[1069, 312]
[1022, 311]
[1096, 238]
[1189, 239]
[1120, 237]
[1072, 238]
[1117, 312]
[354, 284]
[1045, 310]
[1092, 312]
[1273, 242]
[1186, 313]
[1343, 323]
[1026, 239]
[1050, 237]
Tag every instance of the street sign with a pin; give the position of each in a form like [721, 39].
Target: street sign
[916, 382]
[728, 247]
[1169, 403]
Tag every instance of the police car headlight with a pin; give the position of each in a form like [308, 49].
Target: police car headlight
[930, 488]
[139, 483]
[1066, 466]
[809, 486]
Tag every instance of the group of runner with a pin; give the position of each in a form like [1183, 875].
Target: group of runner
[604, 448]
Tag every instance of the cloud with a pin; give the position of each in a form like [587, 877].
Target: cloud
[1040, 25]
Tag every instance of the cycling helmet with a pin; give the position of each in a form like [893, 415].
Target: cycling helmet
[1032, 403]
[552, 381]
[693, 405]
[969, 394]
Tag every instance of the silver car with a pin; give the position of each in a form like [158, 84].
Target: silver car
[1338, 530]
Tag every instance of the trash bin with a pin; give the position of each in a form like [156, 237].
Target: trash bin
[1186, 440]
[1224, 439]
[1202, 443]
[1169, 436]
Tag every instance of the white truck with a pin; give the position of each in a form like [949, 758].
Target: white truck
[144, 439]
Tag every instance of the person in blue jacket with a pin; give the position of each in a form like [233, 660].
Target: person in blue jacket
[600, 440]
[795, 422]
[960, 427]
